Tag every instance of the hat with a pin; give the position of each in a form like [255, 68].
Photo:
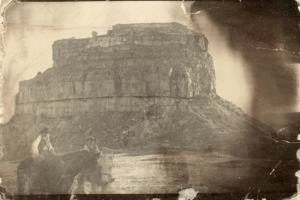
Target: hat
[44, 130]
[91, 138]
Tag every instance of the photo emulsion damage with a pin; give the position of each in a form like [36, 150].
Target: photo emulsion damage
[150, 100]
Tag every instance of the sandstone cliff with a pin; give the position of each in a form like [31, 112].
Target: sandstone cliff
[134, 60]
[156, 81]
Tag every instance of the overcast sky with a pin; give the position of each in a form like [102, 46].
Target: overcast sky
[31, 29]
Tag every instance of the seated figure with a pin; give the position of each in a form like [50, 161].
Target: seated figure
[90, 145]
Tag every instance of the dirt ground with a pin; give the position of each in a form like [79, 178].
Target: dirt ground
[172, 173]
[8, 171]
[134, 173]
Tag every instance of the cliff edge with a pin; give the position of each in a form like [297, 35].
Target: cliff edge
[132, 60]
[156, 82]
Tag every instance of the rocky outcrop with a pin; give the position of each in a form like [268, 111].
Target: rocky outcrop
[146, 89]
[117, 70]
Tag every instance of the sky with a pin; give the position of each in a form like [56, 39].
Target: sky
[32, 27]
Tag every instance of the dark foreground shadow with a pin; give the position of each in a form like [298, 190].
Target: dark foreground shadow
[211, 196]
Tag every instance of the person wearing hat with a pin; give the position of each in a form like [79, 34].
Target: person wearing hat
[42, 145]
[91, 146]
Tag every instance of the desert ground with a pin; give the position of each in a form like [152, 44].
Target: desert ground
[157, 173]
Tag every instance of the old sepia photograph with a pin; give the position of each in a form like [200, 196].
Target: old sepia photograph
[150, 100]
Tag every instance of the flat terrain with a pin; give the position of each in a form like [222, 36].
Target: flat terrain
[206, 173]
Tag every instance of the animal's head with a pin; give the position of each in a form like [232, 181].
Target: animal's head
[99, 174]
[105, 160]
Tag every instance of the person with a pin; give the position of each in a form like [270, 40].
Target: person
[91, 146]
[42, 146]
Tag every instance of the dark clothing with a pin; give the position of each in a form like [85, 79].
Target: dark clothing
[94, 149]
[44, 144]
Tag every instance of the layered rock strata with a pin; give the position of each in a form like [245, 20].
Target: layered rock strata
[116, 71]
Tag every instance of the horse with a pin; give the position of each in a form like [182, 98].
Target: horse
[96, 179]
[54, 175]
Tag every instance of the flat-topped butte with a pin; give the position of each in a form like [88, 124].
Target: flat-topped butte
[131, 60]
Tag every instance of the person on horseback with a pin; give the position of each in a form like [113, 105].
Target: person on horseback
[42, 146]
[91, 146]
[41, 150]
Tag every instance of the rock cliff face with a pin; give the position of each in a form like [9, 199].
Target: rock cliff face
[155, 81]
[119, 71]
